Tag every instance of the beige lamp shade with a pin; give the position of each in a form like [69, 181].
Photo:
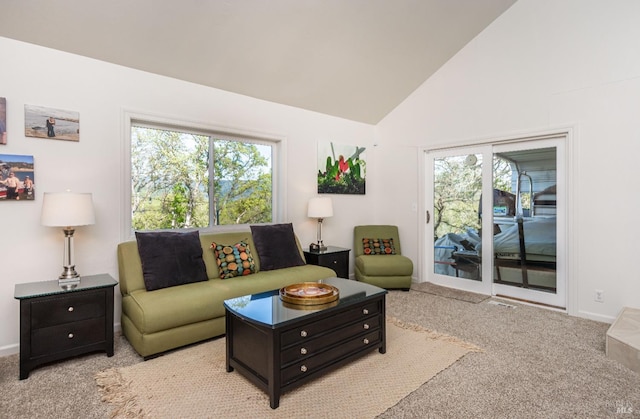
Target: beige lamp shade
[320, 207]
[67, 209]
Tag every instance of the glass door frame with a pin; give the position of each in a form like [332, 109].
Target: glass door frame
[483, 286]
[559, 298]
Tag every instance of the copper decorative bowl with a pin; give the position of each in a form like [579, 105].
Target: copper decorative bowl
[309, 294]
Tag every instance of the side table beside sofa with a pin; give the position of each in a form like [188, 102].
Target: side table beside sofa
[57, 324]
[334, 257]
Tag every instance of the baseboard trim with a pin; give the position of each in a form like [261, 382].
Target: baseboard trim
[10, 349]
[595, 316]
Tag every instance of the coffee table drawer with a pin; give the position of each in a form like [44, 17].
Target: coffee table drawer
[315, 329]
[308, 348]
[316, 363]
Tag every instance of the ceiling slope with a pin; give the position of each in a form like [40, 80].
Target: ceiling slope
[355, 59]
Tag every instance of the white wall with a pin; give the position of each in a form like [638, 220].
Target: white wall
[541, 65]
[100, 92]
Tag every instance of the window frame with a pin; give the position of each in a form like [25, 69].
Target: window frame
[278, 151]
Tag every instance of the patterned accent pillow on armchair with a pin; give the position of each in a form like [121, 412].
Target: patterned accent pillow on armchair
[378, 246]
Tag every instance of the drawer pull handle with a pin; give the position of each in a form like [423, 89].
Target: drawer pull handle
[303, 351]
[303, 368]
[303, 333]
[365, 341]
[70, 309]
[365, 326]
[365, 311]
[70, 336]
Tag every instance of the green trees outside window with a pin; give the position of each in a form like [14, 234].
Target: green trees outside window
[458, 190]
[186, 180]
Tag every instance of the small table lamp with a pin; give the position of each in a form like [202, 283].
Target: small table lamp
[320, 208]
[67, 210]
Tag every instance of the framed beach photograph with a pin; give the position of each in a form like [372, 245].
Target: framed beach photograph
[3, 120]
[54, 124]
[17, 178]
[341, 168]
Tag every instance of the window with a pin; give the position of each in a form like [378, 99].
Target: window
[191, 178]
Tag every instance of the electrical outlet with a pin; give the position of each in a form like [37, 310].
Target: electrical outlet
[599, 296]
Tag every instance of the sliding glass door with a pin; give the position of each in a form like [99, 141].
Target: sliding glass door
[495, 220]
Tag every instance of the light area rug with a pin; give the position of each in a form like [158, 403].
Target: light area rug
[193, 382]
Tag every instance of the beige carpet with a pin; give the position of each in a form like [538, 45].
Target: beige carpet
[193, 382]
[429, 288]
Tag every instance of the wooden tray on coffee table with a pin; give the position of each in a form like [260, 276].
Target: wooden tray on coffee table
[309, 294]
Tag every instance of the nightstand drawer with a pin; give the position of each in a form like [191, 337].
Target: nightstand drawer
[69, 308]
[52, 339]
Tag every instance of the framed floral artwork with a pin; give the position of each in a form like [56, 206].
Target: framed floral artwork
[341, 169]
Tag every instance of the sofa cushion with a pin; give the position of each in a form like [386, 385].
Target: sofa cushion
[170, 258]
[276, 245]
[378, 246]
[169, 308]
[234, 259]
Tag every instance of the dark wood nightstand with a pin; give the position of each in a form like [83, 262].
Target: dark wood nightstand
[57, 324]
[336, 258]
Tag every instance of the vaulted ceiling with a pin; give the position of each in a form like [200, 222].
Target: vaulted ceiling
[356, 59]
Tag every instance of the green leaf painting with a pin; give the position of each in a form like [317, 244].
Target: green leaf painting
[341, 169]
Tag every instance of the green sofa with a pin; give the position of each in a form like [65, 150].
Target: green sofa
[160, 320]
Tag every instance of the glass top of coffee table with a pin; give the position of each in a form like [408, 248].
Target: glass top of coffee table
[267, 307]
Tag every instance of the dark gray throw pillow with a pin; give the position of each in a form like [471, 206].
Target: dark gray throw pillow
[276, 246]
[170, 258]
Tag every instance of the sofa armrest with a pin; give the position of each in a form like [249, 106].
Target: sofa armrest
[129, 268]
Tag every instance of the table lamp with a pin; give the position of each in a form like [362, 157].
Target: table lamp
[67, 210]
[320, 208]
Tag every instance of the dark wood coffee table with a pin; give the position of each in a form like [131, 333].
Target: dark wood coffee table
[278, 346]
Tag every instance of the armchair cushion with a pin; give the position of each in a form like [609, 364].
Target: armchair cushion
[391, 265]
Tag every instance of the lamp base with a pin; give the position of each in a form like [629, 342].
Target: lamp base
[69, 279]
[69, 272]
[69, 283]
[317, 247]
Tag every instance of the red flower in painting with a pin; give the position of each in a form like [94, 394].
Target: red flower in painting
[343, 165]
